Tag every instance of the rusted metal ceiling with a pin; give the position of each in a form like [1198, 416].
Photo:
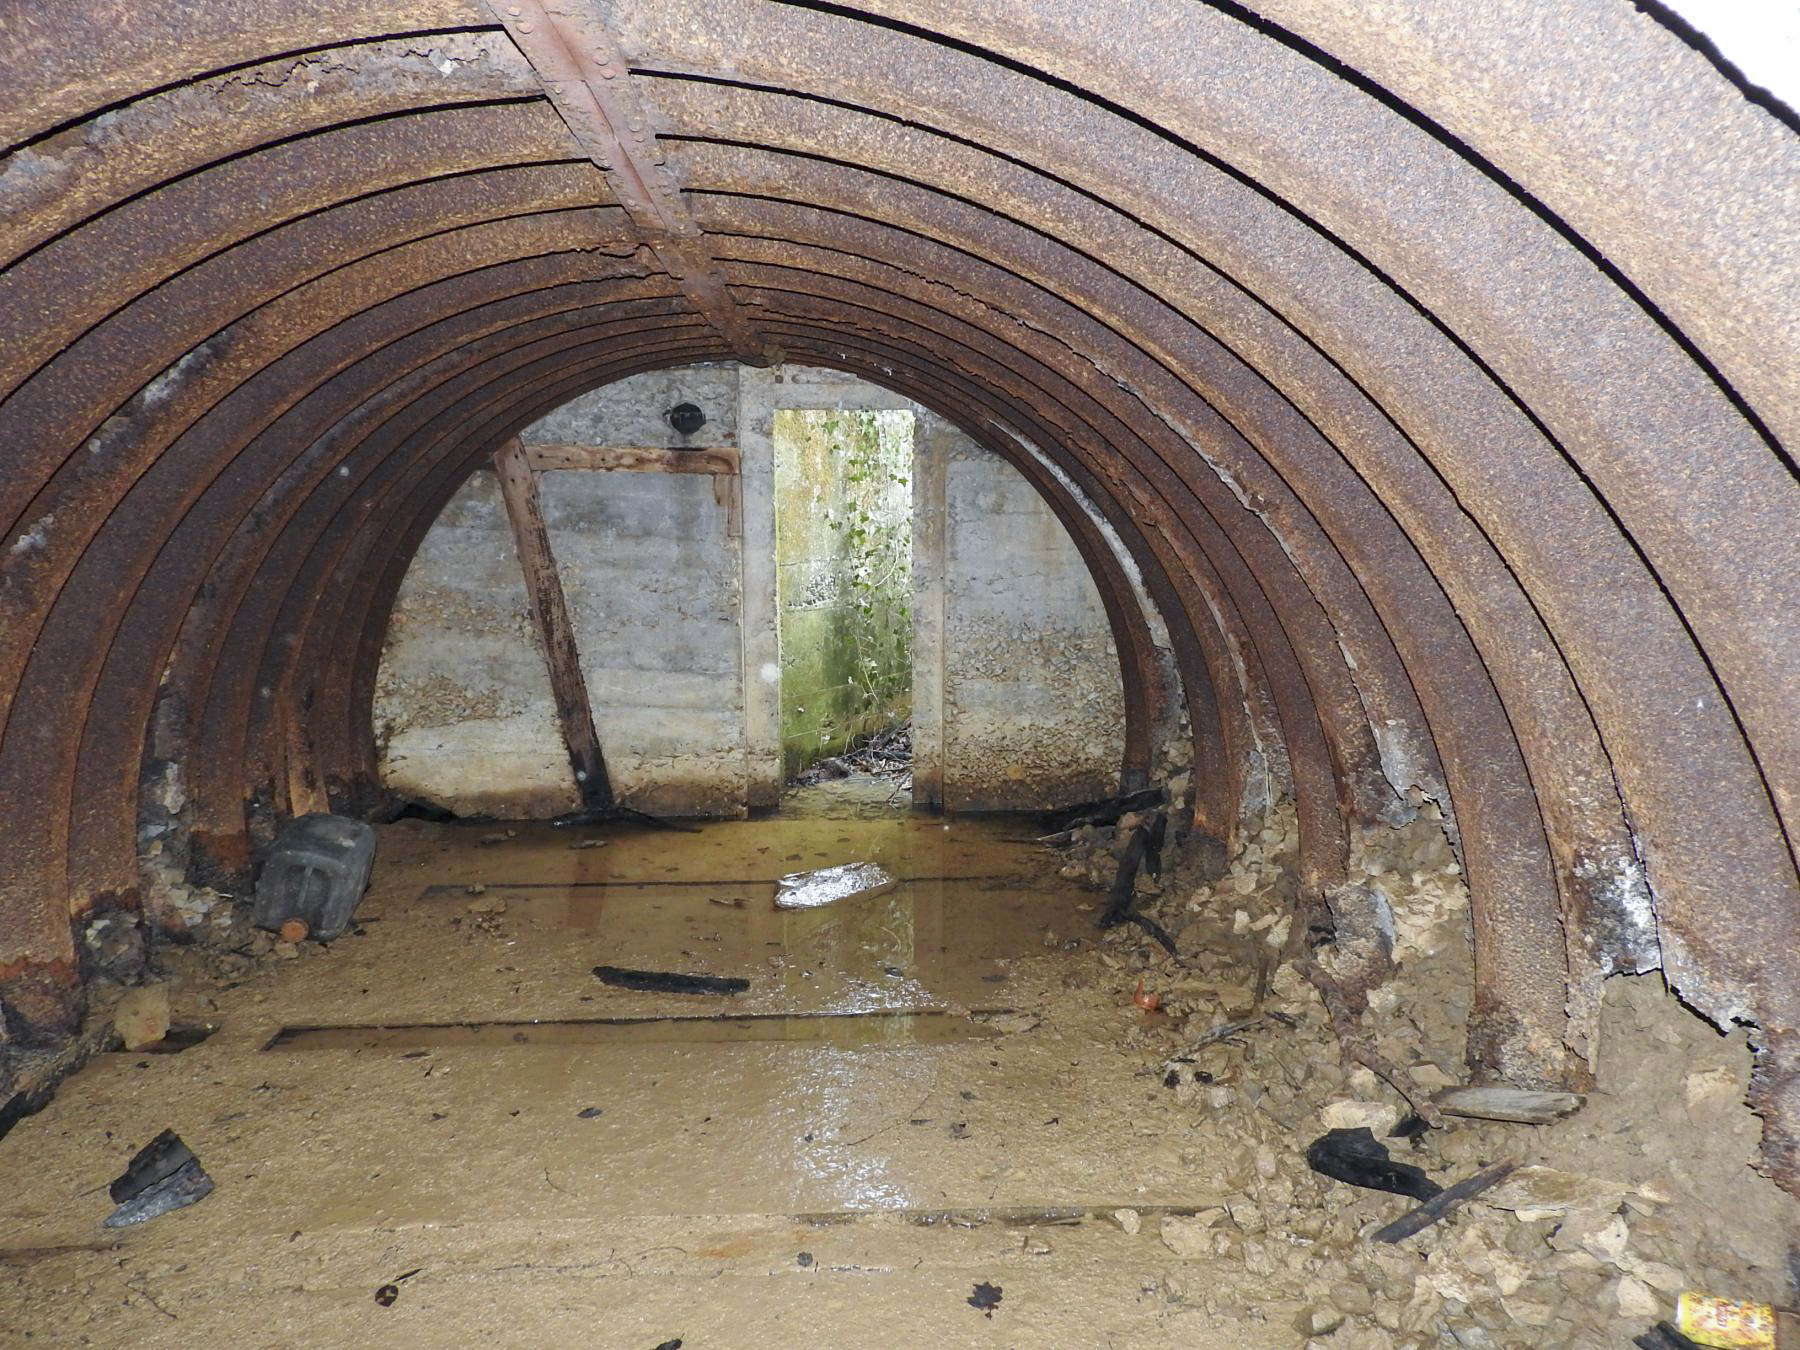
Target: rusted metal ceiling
[1436, 375]
[586, 79]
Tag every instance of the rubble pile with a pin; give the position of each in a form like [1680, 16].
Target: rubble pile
[884, 753]
[1609, 1215]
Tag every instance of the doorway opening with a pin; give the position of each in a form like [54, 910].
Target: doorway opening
[844, 596]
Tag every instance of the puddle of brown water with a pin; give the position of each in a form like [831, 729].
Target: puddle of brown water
[920, 1026]
[971, 894]
[929, 940]
[543, 1094]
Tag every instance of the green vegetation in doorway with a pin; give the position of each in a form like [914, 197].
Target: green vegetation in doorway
[843, 553]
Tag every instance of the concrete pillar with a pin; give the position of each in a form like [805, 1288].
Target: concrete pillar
[930, 462]
[758, 396]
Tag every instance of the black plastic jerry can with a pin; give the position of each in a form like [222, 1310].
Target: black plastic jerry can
[316, 872]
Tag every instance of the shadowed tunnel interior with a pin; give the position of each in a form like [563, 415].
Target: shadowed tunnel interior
[1435, 367]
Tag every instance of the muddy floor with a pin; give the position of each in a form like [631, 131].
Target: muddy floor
[936, 1115]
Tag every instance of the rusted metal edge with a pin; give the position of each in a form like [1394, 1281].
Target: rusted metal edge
[588, 82]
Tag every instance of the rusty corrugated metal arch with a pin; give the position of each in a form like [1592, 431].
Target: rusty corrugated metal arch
[1446, 429]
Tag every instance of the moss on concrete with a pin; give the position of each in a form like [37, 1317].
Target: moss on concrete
[843, 554]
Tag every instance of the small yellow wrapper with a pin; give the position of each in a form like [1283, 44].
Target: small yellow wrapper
[1726, 1323]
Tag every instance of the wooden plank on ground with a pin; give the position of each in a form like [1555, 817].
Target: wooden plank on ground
[1519, 1105]
[550, 613]
[1444, 1203]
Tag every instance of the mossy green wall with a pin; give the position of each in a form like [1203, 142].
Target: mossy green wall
[843, 556]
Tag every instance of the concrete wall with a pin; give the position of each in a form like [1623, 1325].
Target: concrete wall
[1033, 709]
[462, 703]
[649, 567]
[671, 587]
[1017, 702]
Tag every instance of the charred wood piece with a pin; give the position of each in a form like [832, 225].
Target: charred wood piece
[1443, 1204]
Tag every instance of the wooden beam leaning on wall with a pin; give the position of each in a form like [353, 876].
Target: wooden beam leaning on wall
[550, 615]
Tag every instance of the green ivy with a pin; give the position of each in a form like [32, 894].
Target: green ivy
[865, 661]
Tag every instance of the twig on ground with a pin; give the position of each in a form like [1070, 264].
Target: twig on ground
[1355, 1043]
[1155, 930]
[1225, 1032]
[150, 1298]
[1441, 1205]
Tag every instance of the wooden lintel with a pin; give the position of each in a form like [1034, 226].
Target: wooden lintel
[550, 613]
[636, 458]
